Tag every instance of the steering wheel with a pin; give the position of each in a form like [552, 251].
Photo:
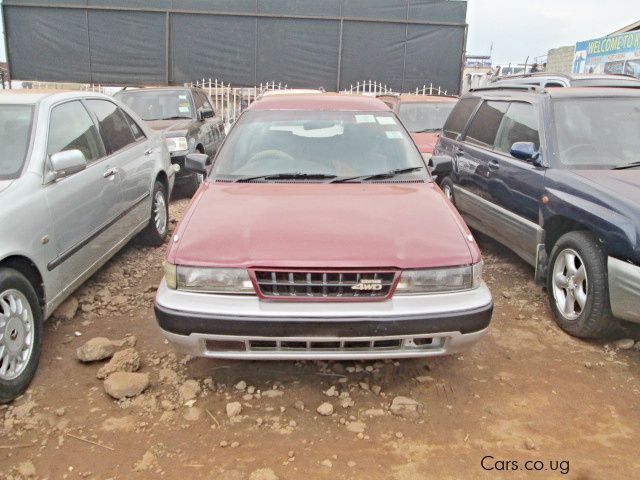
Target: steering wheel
[577, 148]
[273, 155]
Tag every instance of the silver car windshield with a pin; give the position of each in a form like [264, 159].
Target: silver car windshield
[15, 132]
[158, 104]
[329, 143]
[425, 116]
[597, 132]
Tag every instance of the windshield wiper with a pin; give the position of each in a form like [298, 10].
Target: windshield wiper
[628, 165]
[288, 176]
[177, 117]
[428, 130]
[379, 176]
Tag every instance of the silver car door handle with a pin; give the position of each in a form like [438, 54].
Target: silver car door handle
[110, 172]
[148, 151]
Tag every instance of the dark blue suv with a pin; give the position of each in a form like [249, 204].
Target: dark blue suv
[555, 176]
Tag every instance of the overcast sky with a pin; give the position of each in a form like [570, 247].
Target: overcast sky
[521, 28]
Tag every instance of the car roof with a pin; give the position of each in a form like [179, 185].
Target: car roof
[417, 98]
[145, 89]
[33, 97]
[509, 91]
[326, 101]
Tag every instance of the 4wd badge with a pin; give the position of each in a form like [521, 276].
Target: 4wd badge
[368, 285]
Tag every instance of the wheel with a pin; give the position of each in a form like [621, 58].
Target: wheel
[20, 333]
[578, 287]
[156, 231]
[447, 188]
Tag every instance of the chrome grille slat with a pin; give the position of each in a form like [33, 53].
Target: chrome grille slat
[371, 285]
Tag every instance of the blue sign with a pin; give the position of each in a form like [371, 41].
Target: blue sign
[617, 54]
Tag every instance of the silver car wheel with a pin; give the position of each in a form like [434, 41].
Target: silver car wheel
[570, 284]
[16, 333]
[448, 193]
[160, 212]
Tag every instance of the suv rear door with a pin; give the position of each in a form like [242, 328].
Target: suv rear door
[515, 185]
[131, 158]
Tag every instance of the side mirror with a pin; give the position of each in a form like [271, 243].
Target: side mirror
[440, 166]
[204, 113]
[196, 163]
[525, 151]
[67, 163]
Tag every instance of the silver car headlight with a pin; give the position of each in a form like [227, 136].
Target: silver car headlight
[177, 144]
[234, 281]
[440, 280]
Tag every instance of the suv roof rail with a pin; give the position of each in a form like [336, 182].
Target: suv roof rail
[523, 88]
[388, 94]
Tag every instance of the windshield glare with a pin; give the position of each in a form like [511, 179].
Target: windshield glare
[15, 126]
[158, 104]
[425, 116]
[597, 132]
[341, 144]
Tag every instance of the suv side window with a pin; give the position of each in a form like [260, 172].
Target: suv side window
[114, 129]
[71, 128]
[484, 126]
[138, 134]
[520, 124]
[197, 98]
[207, 102]
[459, 117]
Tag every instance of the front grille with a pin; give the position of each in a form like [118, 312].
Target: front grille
[346, 285]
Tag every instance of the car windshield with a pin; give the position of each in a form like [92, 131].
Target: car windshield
[597, 132]
[15, 131]
[425, 116]
[317, 143]
[158, 104]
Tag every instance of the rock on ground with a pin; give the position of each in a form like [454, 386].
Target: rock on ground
[126, 384]
[126, 360]
[325, 409]
[624, 344]
[27, 469]
[404, 407]
[96, 349]
[147, 462]
[234, 409]
[67, 310]
[189, 390]
[263, 474]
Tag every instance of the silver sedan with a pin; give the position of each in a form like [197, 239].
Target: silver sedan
[80, 176]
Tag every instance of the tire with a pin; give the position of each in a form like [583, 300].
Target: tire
[193, 184]
[578, 286]
[447, 188]
[156, 231]
[20, 334]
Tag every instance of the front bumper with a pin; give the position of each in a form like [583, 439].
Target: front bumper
[221, 326]
[624, 290]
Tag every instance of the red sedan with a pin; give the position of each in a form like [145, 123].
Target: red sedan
[319, 233]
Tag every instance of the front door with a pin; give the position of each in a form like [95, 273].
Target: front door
[82, 204]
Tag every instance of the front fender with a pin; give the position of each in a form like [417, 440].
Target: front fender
[617, 232]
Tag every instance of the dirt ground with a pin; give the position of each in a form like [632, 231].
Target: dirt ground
[527, 392]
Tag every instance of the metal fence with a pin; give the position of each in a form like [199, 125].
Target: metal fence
[229, 101]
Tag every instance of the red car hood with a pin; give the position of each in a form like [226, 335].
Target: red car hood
[426, 141]
[322, 226]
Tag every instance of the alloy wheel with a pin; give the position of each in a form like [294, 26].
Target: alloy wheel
[570, 284]
[16, 333]
[160, 212]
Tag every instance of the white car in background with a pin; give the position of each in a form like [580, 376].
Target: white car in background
[80, 175]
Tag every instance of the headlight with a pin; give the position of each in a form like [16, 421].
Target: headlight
[177, 144]
[437, 280]
[170, 275]
[215, 280]
[427, 157]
